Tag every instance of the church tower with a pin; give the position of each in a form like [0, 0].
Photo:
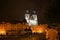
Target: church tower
[31, 18]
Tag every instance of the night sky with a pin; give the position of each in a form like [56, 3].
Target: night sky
[15, 9]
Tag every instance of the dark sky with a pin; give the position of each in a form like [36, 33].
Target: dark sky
[15, 9]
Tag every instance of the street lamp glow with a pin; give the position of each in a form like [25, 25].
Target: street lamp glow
[3, 32]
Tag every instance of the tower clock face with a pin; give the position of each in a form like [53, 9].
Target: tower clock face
[33, 22]
[26, 16]
[35, 17]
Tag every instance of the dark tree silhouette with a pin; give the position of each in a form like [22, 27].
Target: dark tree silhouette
[24, 20]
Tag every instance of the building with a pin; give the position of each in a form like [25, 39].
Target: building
[31, 18]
